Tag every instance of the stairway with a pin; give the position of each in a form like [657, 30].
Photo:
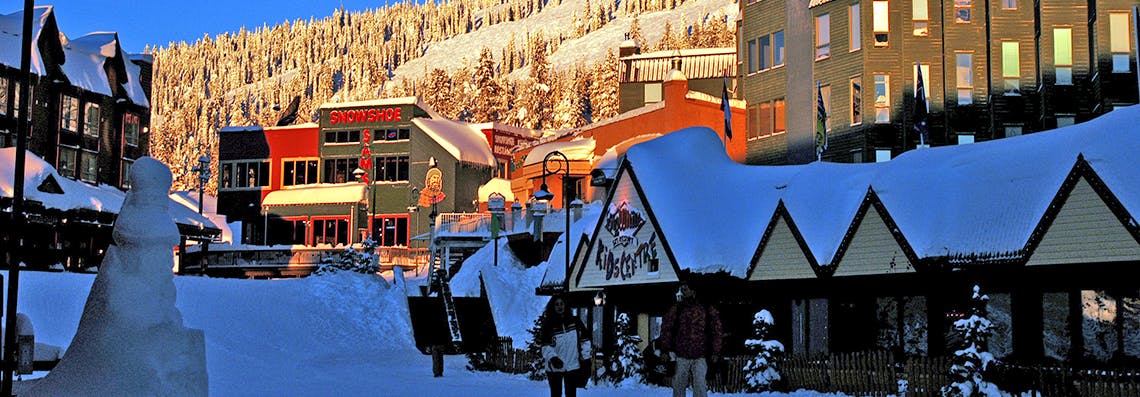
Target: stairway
[439, 274]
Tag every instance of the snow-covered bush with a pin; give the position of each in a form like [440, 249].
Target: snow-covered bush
[361, 261]
[626, 361]
[534, 351]
[970, 363]
[760, 371]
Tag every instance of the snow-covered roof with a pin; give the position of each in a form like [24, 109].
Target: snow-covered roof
[464, 143]
[700, 96]
[84, 61]
[556, 271]
[496, 185]
[76, 195]
[11, 29]
[510, 289]
[696, 63]
[981, 200]
[574, 149]
[322, 193]
[578, 131]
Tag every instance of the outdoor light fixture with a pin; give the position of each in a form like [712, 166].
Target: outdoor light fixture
[362, 176]
[544, 195]
[599, 298]
[204, 174]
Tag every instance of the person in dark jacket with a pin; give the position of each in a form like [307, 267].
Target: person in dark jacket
[564, 343]
[691, 334]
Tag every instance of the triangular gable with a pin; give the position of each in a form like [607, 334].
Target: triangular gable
[1085, 230]
[871, 247]
[782, 253]
[627, 246]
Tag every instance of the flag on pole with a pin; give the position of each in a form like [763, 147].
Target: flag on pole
[820, 122]
[727, 110]
[920, 110]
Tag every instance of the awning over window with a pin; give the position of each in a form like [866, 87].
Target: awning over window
[325, 193]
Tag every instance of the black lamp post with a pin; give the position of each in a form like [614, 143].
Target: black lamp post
[204, 174]
[544, 194]
[361, 175]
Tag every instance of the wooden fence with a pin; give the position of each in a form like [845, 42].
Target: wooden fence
[877, 373]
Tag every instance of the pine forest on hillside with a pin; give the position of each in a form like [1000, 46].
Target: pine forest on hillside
[495, 65]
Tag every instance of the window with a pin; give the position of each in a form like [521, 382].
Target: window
[1065, 121]
[1063, 55]
[962, 11]
[1009, 4]
[825, 93]
[91, 116]
[340, 170]
[89, 167]
[131, 129]
[398, 134]
[765, 52]
[1012, 130]
[391, 168]
[652, 92]
[882, 99]
[752, 63]
[67, 164]
[69, 113]
[343, 136]
[299, 172]
[856, 100]
[3, 95]
[925, 82]
[880, 22]
[920, 14]
[1011, 66]
[781, 126]
[244, 174]
[753, 121]
[766, 119]
[856, 156]
[390, 231]
[965, 138]
[822, 36]
[882, 155]
[330, 231]
[853, 27]
[778, 48]
[965, 78]
[125, 173]
[1121, 41]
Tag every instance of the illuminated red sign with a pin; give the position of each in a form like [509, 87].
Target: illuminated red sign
[364, 116]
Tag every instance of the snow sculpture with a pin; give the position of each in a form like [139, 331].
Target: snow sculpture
[626, 361]
[131, 340]
[967, 374]
[760, 371]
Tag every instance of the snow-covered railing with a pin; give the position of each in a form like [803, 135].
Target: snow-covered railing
[479, 224]
[295, 256]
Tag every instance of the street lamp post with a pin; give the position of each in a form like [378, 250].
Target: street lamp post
[544, 193]
[362, 176]
[496, 204]
[204, 174]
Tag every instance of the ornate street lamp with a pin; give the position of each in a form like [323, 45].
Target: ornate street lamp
[204, 174]
[544, 195]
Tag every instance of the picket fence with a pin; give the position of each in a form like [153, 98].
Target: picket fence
[878, 374]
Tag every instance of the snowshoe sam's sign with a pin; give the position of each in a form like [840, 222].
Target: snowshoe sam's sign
[355, 116]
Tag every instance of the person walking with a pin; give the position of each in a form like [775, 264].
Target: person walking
[691, 334]
[564, 343]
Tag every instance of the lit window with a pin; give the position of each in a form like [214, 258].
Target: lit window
[880, 22]
[882, 155]
[3, 95]
[1009, 4]
[778, 48]
[965, 138]
[69, 113]
[91, 116]
[780, 116]
[920, 13]
[882, 99]
[1012, 130]
[125, 173]
[962, 11]
[1121, 42]
[131, 129]
[1066, 121]
[965, 78]
[1063, 55]
[853, 26]
[1011, 66]
[822, 36]
[753, 121]
[765, 52]
[751, 59]
[766, 122]
[856, 100]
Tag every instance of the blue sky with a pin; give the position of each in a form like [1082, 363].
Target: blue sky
[158, 22]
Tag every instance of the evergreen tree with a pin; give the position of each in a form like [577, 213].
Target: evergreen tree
[534, 350]
[969, 364]
[626, 361]
[603, 88]
[635, 33]
[490, 101]
[352, 260]
[760, 371]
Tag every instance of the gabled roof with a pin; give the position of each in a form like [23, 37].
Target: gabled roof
[464, 143]
[981, 203]
[11, 31]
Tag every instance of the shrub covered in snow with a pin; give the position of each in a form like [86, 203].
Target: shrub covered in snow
[760, 371]
[626, 361]
[534, 350]
[361, 261]
[970, 363]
